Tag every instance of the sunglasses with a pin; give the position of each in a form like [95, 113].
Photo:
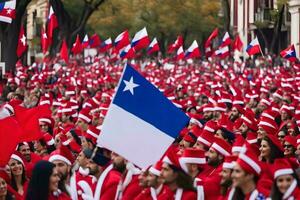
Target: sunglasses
[287, 146]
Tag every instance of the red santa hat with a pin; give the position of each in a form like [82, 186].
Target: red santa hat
[286, 109]
[229, 162]
[92, 133]
[269, 113]
[48, 120]
[172, 158]
[221, 146]
[208, 107]
[281, 167]
[249, 162]
[210, 126]
[62, 154]
[268, 125]
[156, 169]
[278, 94]
[18, 157]
[48, 139]
[192, 156]
[85, 115]
[238, 144]
[206, 138]
[249, 120]
[292, 140]
[275, 141]
[221, 107]
[265, 102]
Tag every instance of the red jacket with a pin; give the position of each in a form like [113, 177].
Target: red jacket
[132, 190]
[61, 196]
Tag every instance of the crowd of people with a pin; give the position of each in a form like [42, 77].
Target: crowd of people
[242, 141]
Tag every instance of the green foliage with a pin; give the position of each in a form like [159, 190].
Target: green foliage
[165, 19]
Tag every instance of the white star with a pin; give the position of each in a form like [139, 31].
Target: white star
[23, 40]
[130, 85]
[289, 52]
[45, 35]
[8, 11]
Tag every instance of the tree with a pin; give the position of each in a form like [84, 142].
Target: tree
[72, 16]
[9, 35]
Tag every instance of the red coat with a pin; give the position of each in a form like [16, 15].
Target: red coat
[107, 184]
[167, 194]
[144, 195]
[61, 196]
[110, 185]
[29, 165]
[211, 184]
[132, 190]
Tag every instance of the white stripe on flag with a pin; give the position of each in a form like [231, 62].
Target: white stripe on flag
[133, 138]
[5, 19]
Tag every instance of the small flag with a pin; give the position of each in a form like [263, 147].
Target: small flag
[141, 123]
[212, 36]
[193, 51]
[128, 52]
[52, 23]
[122, 40]
[180, 53]
[289, 53]
[222, 52]
[77, 47]
[64, 52]
[7, 11]
[140, 39]
[44, 41]
[107, 44]
[254, 47]
[85, 41]
[22, 43]
[226, 40]
[153, 47]
[237, 43]
[178, 42]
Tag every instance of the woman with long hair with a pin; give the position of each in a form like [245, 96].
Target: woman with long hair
[4, 184]
[44, 183]
[270, 149]
[286, 184]
[18, 174]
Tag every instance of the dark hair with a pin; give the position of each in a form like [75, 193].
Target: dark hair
[275, 152]
[238, 193]
[275, 193]
[23, 180]
[49, 148]
[183, 180]
[38, 188]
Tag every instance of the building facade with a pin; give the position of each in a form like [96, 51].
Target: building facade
[251, 18]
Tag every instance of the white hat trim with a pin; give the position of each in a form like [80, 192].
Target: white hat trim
[167, 160]
[70, 92]
[209, 129]
[45, 120]
[246, 119]
[236, 149]
[50, 142]
[92, 133]
[266, 124]
[281, 172]
[220, 149]
[96, 101]
[266, 102]
[252, 141]
[44, 102]
[201, 139]
[85, 187]
[237, 102]
[228, 165]
[82, 116]
[60, 158]
[208, 109]
[267, 115]
[250, 162]
[277, 95]
[154, 171]
[18, 158]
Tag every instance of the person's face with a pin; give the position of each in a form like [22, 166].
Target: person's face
[94, 168]
[62, 168]
[199, 145]
[8, 170]
[143, 179]
[44, 127]
[81, 124]
[16, 167]
[297, 153]
[288, 149]
[264, 149]
[37, 146]
[239, 176]
[281, 136]
[152, 180]
[261, 133]
[234, 113]
[225, 176]
[216, 115]
[219, 134]
[212, 156]
[84, 143]
[243, 128]
[284, 115]
[183, 145]
[284, 182]
[53, 181]
[208, 115]
[168, 175]
[118, 162]
[25, 151]
[3, 188]
[82, 160]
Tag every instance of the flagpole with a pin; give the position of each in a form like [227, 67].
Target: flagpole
[261, 50]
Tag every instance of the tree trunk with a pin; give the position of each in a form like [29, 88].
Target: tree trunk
[277, 30]
[226, 10]
[10, 37]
